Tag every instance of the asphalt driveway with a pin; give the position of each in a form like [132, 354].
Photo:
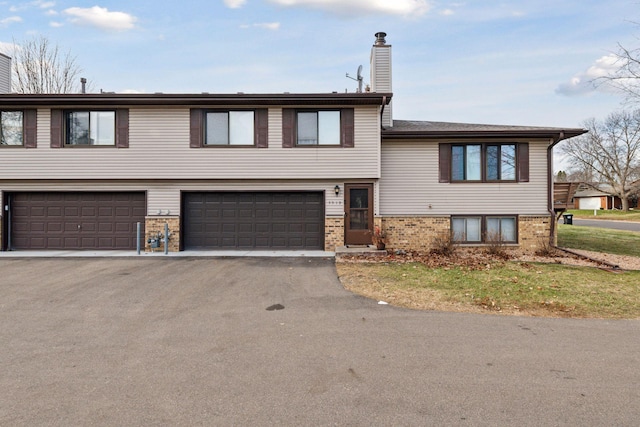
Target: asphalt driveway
[189, 341]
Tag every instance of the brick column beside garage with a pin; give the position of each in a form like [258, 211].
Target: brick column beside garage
[333, 233]
[155, 224]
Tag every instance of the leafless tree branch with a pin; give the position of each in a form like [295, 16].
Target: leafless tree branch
[40, 67]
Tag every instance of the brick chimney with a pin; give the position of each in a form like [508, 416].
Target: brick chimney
[381, 74]
[5, 74]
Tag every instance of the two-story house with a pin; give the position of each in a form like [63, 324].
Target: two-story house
[258, 171]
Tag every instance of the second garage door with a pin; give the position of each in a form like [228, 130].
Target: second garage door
[253, 220]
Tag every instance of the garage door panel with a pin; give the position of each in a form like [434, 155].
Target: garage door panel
[51, 220]
[253, 220]
[37, 211]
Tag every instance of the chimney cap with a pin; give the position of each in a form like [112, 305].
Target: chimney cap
[380, 38]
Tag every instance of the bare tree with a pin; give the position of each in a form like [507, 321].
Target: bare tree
[626, 76]
[611, 150]
[40, 67]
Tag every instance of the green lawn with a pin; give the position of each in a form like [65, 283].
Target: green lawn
[509, 287]
[524, 288]
[606, 214]
[599, 239]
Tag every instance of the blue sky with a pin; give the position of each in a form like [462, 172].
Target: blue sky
[524, 62]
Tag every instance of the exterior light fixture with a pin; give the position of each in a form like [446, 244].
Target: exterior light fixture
[336, 189]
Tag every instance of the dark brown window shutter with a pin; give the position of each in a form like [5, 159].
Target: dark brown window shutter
[523, 162]
[262, 127]
[444, 162]
[57, 134]
[122, 128]
[347, 124]
[30, 128]
[288, 127]
[196, 131]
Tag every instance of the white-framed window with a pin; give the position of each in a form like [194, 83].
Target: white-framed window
[88, 128]
[11, 128]
[318, 128]
[484, 229]
[223, 128]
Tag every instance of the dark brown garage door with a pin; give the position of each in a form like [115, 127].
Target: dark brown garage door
[56, 220]
[260, 220]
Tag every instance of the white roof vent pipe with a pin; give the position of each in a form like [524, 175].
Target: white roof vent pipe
[381, 74]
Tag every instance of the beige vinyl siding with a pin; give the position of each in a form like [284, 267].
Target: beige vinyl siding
[409, 185]
[381, 77]
[159, 149]
[5, 74]
[165, 196]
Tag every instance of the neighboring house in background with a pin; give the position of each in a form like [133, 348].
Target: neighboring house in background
[258, 171]
[599, 196]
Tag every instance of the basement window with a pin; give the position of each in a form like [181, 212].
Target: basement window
[484, 229]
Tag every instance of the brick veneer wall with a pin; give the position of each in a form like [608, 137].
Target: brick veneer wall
[333, 233]
[534, 232]
[413, 233]
[421, 233]
[155, 224]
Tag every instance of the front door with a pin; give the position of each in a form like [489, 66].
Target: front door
[358, 214]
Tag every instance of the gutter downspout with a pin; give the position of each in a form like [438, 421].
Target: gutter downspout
[384, 103]
[556, 140]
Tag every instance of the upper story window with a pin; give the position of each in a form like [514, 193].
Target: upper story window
[318, 128]
[90, 128]
[230, 128]
[11, 128]
[312, 128]
[484, 162]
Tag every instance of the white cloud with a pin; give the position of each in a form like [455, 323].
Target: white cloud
[38, 3]
[10, 20]
[359, 7]
[274, 26]
[100, 17]
[234, 4]
[447, 12]
[55, 24]
[584, 82]
[44, 4]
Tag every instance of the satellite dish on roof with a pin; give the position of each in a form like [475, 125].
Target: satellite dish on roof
[358, 78]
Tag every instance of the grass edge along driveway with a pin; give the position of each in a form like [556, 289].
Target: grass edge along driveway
[498, 287]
